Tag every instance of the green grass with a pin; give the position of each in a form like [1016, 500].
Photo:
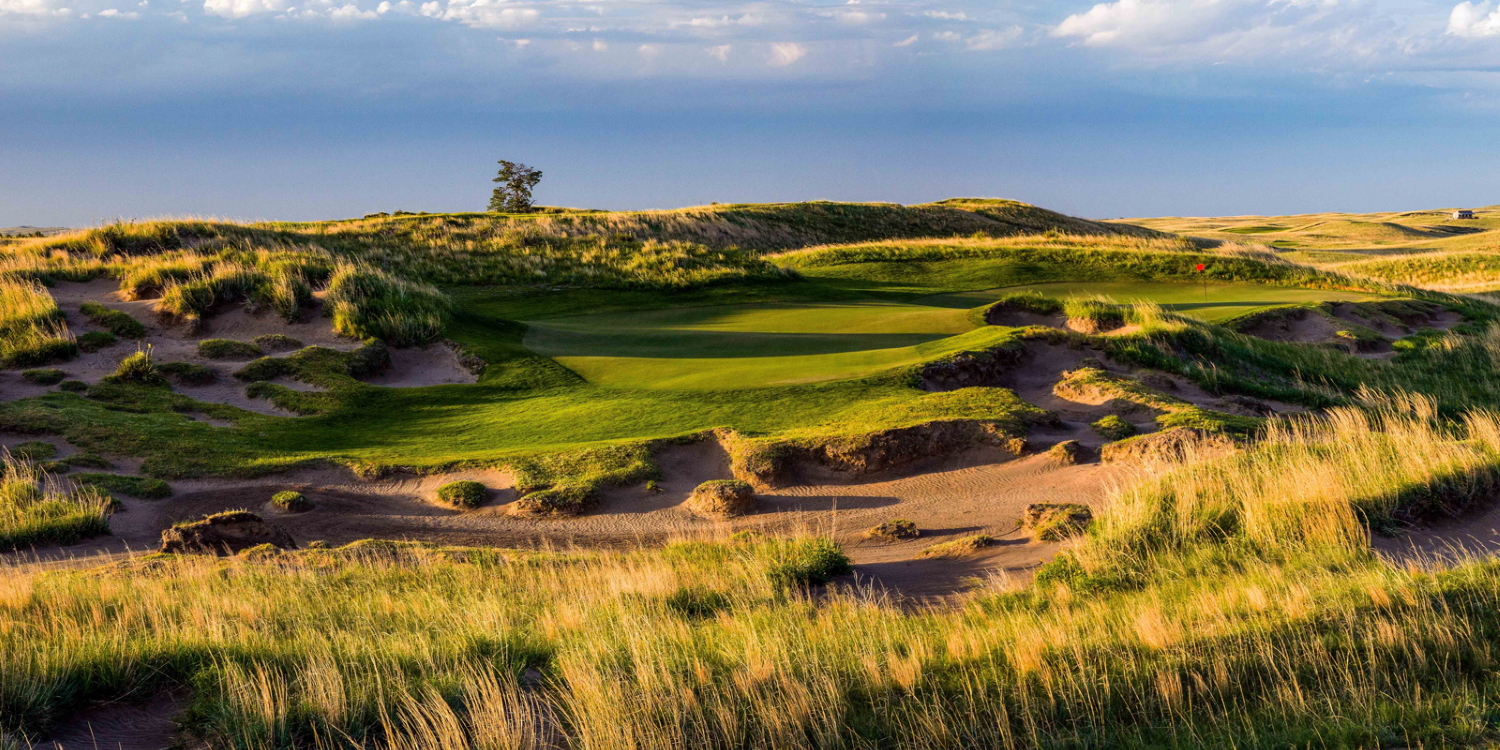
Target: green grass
[1213, 302]
[145, 488]
[37, 509]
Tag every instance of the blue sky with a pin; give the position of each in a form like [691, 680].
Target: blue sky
[303, 109]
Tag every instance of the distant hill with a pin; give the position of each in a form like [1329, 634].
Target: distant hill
[25, 230]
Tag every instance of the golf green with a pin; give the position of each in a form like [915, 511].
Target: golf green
[770, 344]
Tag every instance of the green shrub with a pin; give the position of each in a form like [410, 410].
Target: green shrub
[1112, 427]
[144, 488]
[137, 369]
[35, 510]
[562, 500]
[807, 562]
[73, 386]
[1093, 316]
[187, 373]
[93, 341]
[34, 450]
[117, 322]
[49, 376]
[463, 494]
[1054, 522]
[292, 501]
[276, 342]
[38, 350]
[228, 349]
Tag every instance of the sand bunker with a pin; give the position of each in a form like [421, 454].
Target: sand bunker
[434, 365]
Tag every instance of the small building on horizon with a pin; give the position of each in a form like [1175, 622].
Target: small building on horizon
[1463, 213]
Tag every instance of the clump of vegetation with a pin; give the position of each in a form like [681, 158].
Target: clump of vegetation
[367, 302]
[137, 369]
[960, 547]
[292, 501]
[810, 562]
[562, 500]
[143, 488]
[187, 373]
[1068, 453]
[38, 509]
[117, 322]
[1113, 427]
[463, 494]
[723, 497]
[34, 450]
[1054, 522]
[47, 376]
[894, 530]
[32, 329]
[73, 386]
[276, 342]
[228, 349]
[93, 341]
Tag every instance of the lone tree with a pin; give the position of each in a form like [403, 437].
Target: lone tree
[514, 193]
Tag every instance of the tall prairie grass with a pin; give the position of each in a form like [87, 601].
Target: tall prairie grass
[36, 508]
[32, 329]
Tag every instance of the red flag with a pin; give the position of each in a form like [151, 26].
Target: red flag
[1199, 267]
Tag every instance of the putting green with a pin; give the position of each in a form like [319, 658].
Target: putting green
[1212, 303]
[771, 344]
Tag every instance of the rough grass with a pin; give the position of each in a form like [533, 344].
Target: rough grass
[36, 508]
[118, 323]
[32, 329]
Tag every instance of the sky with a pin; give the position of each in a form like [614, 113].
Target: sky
[309, 109]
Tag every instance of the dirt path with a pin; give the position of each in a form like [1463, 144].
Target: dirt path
[1445, 541]
[148, 725]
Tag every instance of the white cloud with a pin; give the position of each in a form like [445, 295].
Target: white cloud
[242, 8]
[946, 15]
[721, 52]
[992, 40]
[600, 45]
[907, 42]
[351, 12]
[649, 51]
[786, 53]
[857, 17]
[116, 13]
[32, 8]
[1474, 20]
[485, 14]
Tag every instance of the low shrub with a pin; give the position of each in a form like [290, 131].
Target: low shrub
[697, 602]
[894, 530]
[961, 547]
[1113, 427]
[37, 509]
[73, 386]
[188, 373]
[463, 494]
[807, 562]
[1094, 316]
[117, 322]
[370, 359]
[563, 500]
[292, 501]
[143, 488]
[1067, 453]
[77, 461]
[49, 376]
[367, 302]
[93, 341]
[276, 342]
[228, 349]
[34, 450]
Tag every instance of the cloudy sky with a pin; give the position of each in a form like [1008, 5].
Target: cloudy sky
[323, 108]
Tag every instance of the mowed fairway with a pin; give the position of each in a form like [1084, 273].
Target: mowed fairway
[771, 344]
